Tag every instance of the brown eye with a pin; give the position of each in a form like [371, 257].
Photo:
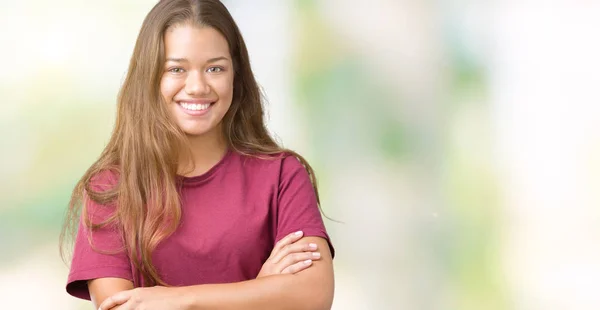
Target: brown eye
[214, 69]
[176, 70]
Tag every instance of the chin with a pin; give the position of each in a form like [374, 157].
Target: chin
[197, 131]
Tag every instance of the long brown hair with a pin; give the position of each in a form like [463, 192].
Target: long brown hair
[146, 143]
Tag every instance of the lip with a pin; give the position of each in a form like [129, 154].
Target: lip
[195, 113]
[195, 101]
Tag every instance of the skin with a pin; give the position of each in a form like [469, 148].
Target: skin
[199, 70]
[193, 73]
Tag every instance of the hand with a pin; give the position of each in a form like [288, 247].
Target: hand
[147, 298]
[289, 257]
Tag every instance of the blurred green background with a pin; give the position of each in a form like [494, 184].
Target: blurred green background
[458, 141]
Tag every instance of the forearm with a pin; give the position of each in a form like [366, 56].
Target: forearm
[275, 292]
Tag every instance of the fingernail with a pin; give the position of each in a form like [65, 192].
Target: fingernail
[298, 233]
[316, 254]
[307, 262]
[312, 246]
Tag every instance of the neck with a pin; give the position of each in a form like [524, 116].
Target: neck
[206, 151]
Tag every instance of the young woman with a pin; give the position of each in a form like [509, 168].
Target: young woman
[192, 205]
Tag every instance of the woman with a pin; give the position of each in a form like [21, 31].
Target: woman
[192, 205]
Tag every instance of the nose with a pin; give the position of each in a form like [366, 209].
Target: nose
[196, 84]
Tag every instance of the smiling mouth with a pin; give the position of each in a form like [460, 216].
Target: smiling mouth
[195, 106]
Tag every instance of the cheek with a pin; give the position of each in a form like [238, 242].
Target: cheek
[225, 89]
[169, 88]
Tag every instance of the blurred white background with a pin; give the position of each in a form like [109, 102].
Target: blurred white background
[458, 141]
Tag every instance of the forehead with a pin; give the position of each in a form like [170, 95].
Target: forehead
[195, 43]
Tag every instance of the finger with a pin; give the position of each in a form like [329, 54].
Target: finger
[289, 239]
[128, 305]
[115, 300]
[294, 258]
[293, 248]
[297, 267]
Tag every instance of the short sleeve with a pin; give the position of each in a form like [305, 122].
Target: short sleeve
[104, 257]
[297, 203]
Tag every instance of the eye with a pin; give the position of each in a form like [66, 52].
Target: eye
[176, 70]
[215, 69]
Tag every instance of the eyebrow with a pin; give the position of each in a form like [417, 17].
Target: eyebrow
[173, 59]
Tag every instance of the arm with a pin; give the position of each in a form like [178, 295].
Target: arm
[103, 288]
[311, 288]
[99, 267]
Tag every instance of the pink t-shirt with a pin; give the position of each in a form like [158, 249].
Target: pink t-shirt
[232, 216]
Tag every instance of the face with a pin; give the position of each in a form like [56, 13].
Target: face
[197, 82]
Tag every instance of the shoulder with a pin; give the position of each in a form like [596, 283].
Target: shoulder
[284, 170]
[280, 163]
[100, 194]
[104, 180]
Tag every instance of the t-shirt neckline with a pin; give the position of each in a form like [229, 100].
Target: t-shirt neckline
[208, 174]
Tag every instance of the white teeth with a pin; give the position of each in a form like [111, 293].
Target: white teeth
[195, 107]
